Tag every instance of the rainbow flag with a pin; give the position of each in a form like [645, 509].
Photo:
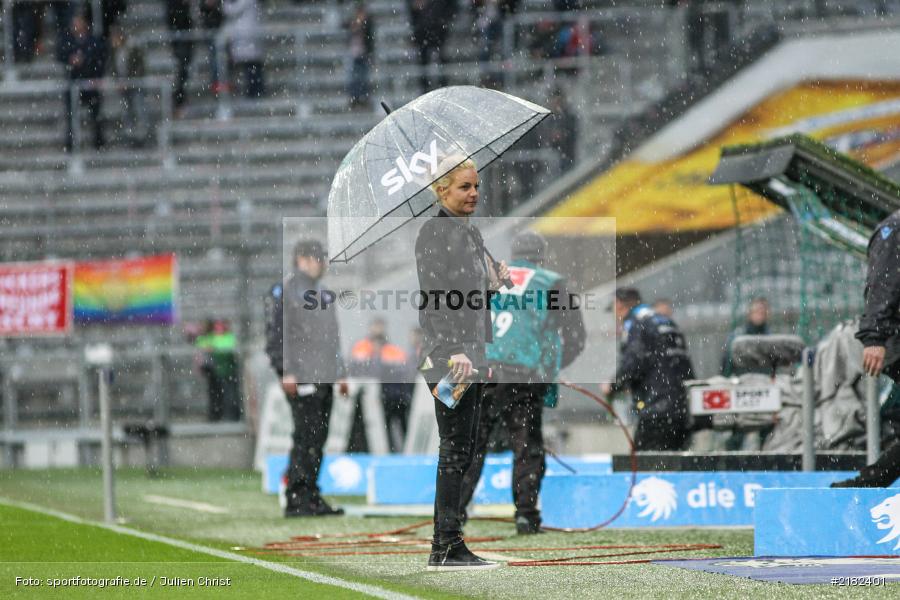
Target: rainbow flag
[140, 291]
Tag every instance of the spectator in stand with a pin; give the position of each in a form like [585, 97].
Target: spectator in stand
[431, 21]
[542, 43]
[490, 16]
[561, 131]
[362, 51]
[27, 19]
[178, 18]
[242, 30]
[574, 38]
[211, 19]
[85, 64]
[110, 11]
[565, 5]
[128, 63]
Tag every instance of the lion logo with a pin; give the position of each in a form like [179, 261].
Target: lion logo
[887, 516]
[656, 497]
[346, 473]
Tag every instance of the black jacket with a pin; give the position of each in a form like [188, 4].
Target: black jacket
[89, 54]
[178, 15]
[311, 350]
[450, 257]
[881, 319]
[654, 364]
[880, 323]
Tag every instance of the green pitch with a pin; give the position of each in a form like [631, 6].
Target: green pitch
[226, 511]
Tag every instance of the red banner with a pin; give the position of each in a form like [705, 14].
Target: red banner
[36, 298]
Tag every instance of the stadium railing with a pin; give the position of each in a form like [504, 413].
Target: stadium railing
[138, 86]
[155, 384]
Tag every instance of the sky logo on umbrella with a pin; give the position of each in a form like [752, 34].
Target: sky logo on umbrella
[395, 179]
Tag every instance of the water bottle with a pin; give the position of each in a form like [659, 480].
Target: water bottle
[449, 391]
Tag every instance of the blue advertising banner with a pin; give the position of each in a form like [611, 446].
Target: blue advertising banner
[412, 482]
[409, 479]
[828, 522]
[839, 572]
[665, 499]
[340, 475]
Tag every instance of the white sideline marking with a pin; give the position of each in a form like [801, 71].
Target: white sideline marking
[362, 588]
[177, 502]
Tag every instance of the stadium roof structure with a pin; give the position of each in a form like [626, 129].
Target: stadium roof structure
[839, 199]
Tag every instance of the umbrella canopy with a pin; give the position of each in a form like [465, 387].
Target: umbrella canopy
[387, 173]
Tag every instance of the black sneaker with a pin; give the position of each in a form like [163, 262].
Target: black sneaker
[857, 482]
[313, 508]
[300, 510]
[456, 557]
[528, 526]
[323, 509]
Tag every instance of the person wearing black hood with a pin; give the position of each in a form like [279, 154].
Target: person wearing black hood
[178, 18]
[451, 259]
[85, 63]
[304, 347]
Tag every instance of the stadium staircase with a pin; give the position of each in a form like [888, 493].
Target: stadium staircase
[229, 182]
[219, 197]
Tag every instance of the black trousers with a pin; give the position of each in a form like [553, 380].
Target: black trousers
[311, 414]
[183, 50]
[93, 100]
[884, 471]
[520, 406]
[661, 434]
[457, 429]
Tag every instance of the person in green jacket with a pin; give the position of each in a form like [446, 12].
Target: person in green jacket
[219, 365]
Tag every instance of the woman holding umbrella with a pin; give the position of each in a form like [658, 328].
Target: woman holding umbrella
[451, 259]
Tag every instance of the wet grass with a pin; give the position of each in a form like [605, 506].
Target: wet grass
[254, 519]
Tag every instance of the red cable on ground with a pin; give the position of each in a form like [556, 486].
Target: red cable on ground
[297, 545]
[632, 460]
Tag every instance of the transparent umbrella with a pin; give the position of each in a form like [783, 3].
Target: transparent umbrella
[387, 173]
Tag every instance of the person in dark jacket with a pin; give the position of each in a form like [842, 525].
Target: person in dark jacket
[431, 21]
[303, 345]
[653, 364]
[178, 18]
[211, 19]
[86, 62]
[879, 332]
[451, 259]
[532, 342]
[362, 52]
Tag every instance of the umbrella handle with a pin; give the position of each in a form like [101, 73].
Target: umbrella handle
[507, 281]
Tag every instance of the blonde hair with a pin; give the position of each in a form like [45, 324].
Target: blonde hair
[451, 165]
